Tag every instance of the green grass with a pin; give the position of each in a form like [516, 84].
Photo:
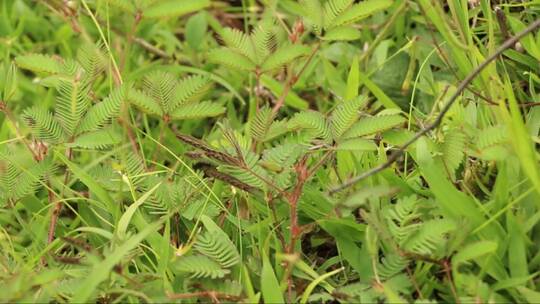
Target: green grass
[269, 151]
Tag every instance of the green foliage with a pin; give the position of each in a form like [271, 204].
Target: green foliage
[184, 151]
[332, 18]
[200, 266]
[40, 63]
[164, 95]
[260, 51]
[219, 248]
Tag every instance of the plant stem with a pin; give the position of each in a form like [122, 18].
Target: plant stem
[210, 294]
[130, 37]
[293, 78]
[4, 108]
[58, 205]
[462, 86]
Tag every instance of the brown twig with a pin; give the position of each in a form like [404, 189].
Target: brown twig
[224, 158]
[214, 296]
[462, 86]
[501, 19]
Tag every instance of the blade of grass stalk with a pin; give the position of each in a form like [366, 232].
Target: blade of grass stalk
[520, 138]
[377, 91]
[121, 227]
[271, 291]
[353, 80]
[317, 281]
[93, 185]
[102, 271]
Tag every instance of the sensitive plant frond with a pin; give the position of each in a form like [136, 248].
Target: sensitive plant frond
[404, 219]
[263, 39]
[232, 59]
[161, 86]
[218, 247]
[200, 266]
[238, 41]
[431, 237]
[277, 128]
[260, 125]
[334, 8]
[189, 89]
[374, 124]
[345, 115]
[43, 124]
[258, 51]
[144, 102]
[311, 120]
[313, 13]
[132, 167]
[391, 265]
[99, 139]
[282, 156]
[92, 59]
[164, 95]
[103, 112]
[361, 10]
[336, 17]
[23, 181]
[168, 195]
[197, 110]
[491, 136]
[39, 63]
[107, 177]
[251, 174]
[284, 55]
[72, 103]
[453, 149]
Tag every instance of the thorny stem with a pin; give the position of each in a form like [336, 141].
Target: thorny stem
[462, 86]
[414, 282]
[293, 79]
[302, 174]
[37, 157]
[256, 90]
[278, 225]
[58, 206]
[130, 37]
[448, 273]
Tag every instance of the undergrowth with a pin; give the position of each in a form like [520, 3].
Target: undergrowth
[272, 151]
